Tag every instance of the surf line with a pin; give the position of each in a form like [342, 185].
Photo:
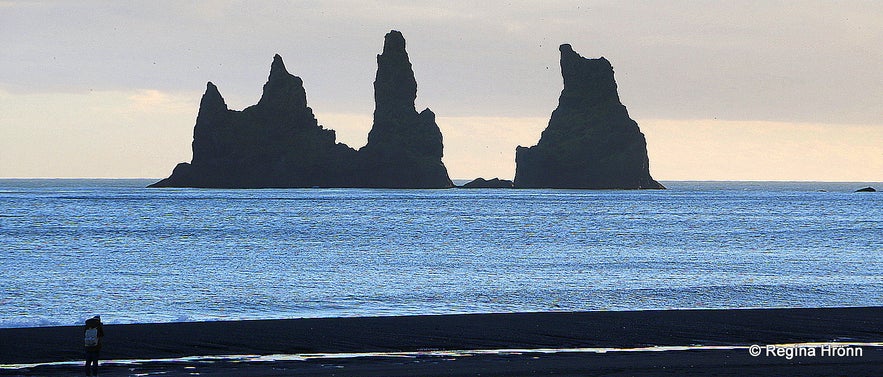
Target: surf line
[427, 353]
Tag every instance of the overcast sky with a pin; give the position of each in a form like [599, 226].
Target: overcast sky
[740, 90]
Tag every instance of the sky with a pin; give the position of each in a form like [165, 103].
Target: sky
[744, 90]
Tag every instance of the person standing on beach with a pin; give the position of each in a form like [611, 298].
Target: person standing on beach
[93, 334]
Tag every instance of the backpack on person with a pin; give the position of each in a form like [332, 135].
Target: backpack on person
[91, 338]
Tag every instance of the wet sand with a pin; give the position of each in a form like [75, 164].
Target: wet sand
[419, 335]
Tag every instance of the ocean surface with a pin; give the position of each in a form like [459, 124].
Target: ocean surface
[70, 249]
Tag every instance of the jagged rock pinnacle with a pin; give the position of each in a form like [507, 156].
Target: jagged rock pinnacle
[283, 91]
[404, 148]
[277, 69]
[395, 87]
[212, 111]
[212, 100]
[590, 141]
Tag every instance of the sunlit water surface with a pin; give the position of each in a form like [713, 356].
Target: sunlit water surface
[73, 248]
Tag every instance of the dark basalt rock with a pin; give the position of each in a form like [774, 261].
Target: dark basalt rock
[590, 142]
[493, 183]
[404, 148]
[279, 143]
[866, 189]
[275, 143]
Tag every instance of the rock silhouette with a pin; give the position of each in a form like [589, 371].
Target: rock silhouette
[275, 143]
[590, 141]
[404, 148]
[279, 143]
[488, 183]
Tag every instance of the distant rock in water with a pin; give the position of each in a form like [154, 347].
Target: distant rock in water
[404, 148]
[275, 143]
[866, 189]
[279, 143]
[493, 183]
[590, 142]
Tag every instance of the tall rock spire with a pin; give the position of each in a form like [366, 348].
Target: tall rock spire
[212, 101]
[404, 148]
[210, 119]
[284, 98]
[282, 87]
[590, 142]
[395, 87]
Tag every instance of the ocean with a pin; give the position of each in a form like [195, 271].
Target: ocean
[70, 249]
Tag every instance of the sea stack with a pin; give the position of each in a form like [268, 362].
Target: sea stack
[279, 143]
[590, 142]
[404, 148]
[275, 143]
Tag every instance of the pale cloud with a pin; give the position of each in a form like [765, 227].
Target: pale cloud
[485, 146]
[102, 134]
[152, 100]
[104, 89]
[737, 150]
[145, 133]
[351, 129]
[809, 61]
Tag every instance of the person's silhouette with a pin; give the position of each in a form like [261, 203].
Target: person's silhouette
[93, 334]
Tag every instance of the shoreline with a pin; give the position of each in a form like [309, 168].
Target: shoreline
[526, 333]
[683, 361]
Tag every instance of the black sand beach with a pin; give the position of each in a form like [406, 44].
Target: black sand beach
[419, 336]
